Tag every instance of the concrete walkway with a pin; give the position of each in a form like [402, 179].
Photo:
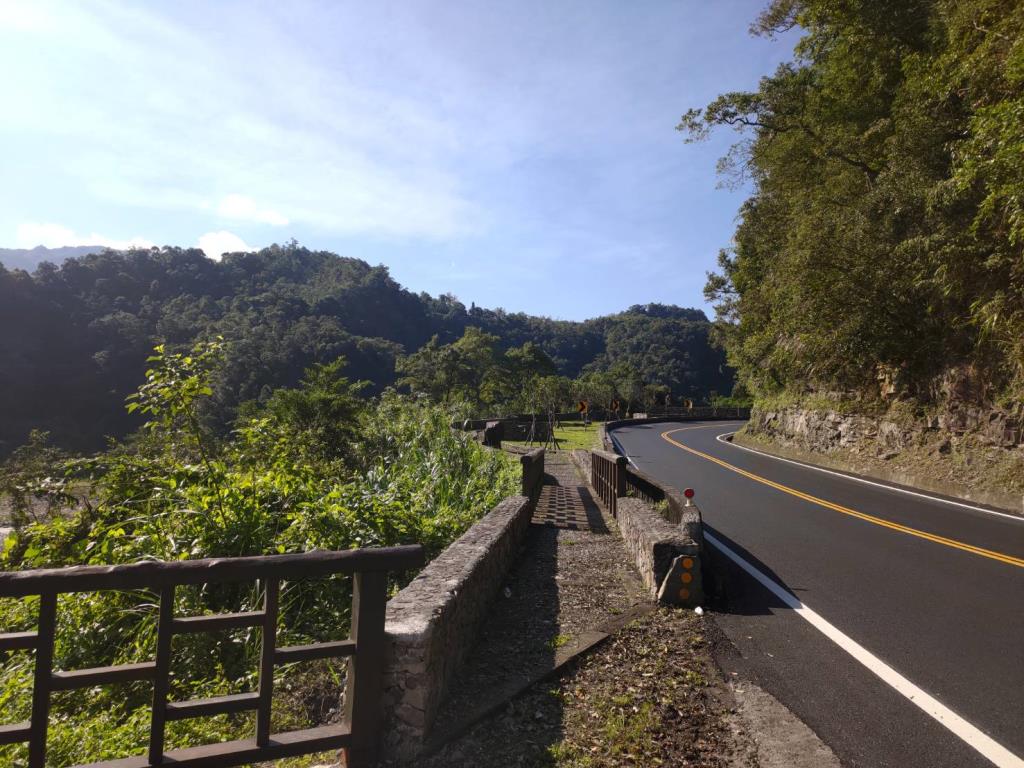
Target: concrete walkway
[572, 586]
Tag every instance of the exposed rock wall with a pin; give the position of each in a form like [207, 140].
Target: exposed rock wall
[963, 450]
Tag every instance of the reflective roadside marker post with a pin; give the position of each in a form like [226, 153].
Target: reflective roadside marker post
[688, 493]
[682, 584]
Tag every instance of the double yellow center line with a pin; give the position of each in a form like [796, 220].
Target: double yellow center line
[1008, 559]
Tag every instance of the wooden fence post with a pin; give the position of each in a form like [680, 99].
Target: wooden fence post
[363, 710]
[42, 683]
[620, 476]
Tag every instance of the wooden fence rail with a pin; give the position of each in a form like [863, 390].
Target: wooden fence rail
[359, 731]
[612, 478]
[608, 477]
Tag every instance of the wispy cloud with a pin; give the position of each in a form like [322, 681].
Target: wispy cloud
[168, 116]
[30, 234]
[530, 142]
[235, 206]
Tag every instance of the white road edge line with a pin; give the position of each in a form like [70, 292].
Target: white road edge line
[887, 487]
[969, 734]
[622, 451]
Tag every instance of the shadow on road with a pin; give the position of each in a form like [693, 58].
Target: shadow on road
[593, 513]
[730, 589]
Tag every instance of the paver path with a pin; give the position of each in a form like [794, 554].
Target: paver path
[570, 507]
[573, 578]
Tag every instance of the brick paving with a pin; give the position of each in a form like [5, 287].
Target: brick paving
[571, 507]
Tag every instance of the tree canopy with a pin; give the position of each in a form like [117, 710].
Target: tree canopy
[74, 338]
[881, 249]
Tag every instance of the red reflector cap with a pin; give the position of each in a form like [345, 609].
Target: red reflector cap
[688, 493]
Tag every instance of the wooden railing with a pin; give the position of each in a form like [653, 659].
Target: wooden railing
[613, 478]
[359, 731]
[608, 477]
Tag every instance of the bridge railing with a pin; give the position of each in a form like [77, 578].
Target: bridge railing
[699, 412]
[608, 477]
[613, 478]
[359, 731]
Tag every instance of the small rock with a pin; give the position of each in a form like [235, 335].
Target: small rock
[507, 591]
[699, 611]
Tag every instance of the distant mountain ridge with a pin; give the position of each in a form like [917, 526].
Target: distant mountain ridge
[74, 340]
[30, 258]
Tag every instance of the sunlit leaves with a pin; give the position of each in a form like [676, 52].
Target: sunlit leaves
[886, 227]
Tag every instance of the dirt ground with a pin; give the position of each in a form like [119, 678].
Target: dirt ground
[648, 696]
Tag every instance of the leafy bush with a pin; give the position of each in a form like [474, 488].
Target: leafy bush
[280, 484]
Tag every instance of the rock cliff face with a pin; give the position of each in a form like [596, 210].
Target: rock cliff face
[962, 450]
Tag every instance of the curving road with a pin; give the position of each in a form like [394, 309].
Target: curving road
[891, 623]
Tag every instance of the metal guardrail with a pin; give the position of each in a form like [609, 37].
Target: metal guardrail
[359, 731]
[700, 412]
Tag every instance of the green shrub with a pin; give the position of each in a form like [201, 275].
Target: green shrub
[276, 485]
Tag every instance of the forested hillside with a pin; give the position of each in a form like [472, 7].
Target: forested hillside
[881, 255]
[74, 338]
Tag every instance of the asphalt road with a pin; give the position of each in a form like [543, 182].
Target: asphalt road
[944, 615]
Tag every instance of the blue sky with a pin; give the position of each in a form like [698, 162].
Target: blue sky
[517, 154]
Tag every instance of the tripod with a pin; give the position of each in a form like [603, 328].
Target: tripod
[552, 440]
[532, 437]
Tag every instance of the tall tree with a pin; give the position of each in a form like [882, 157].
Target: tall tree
[881, 248]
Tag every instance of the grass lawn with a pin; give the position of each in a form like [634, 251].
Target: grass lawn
[571, 435]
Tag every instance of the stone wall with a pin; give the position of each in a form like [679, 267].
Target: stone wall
[962, 450]
[662, 551]
[664, 544]
[533, 472]
[826, 429]
[433, 623]
[677, 511]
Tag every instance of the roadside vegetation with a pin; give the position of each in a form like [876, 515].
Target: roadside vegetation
[880, 254]
[323, 464]
[313, 467]
[476, 376]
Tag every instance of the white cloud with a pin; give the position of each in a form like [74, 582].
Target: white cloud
[30, 234]
[236, 206]
[287, 136]
[216, 244]
[21, 15]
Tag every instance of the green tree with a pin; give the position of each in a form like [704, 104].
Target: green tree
[882, 240]
[322, 414]
[477, 356]
[435, 370]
